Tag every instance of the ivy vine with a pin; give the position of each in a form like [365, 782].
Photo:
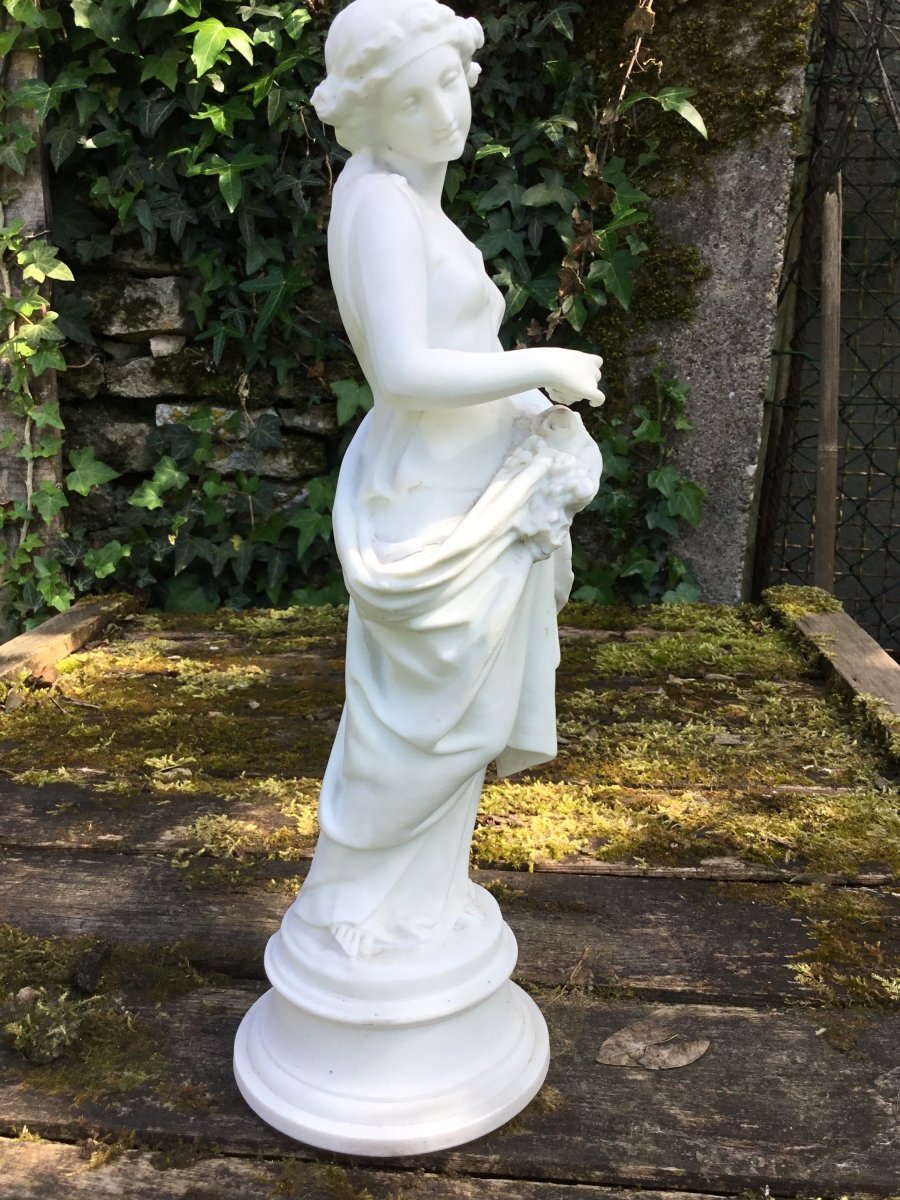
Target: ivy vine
[183, 128]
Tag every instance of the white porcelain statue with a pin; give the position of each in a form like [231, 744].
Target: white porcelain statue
[392, 1026]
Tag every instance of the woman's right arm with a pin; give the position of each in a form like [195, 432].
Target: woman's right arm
[390, 298]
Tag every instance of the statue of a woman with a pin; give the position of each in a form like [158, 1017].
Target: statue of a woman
[451, 521]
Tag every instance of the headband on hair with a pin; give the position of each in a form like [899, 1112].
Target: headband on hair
[371, 39]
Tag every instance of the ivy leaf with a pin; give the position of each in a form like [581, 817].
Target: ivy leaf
[351, 397]
[231, 186]
[188, 594]
[33, 94]
[542, 195]
[685, 593]
[505, 191]
[320, 493]
[10, 235]
[688, 502]
[616, 274]
[685, 499]
[664, 479]
[48, 359]
[8, 38]
[243, 557]
[649, 430]
[164, 8]
[216, 554]
[670, 99]
[186, 550]
[87, 472]
[276, 103]
[265, 432]
[166, 476]
[241, 42]
[164, 67]
[295, 23]
[278, 286]
[48, 500]
[561, 21]
[111, 23]
[86, 104]
[661, 518]
[210, 37]
[151, 112]
[490, 149]
[39, 262]
[675, 100]
[104, 560]
[43, 417]
[309, 525]
[62, 141]
[639, 562]
[15, 154]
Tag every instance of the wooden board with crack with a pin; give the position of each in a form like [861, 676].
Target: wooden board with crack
[166, 819]
[771, 1101]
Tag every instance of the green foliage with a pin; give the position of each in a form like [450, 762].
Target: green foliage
[184, 127]
[191, 540]
[641, 502]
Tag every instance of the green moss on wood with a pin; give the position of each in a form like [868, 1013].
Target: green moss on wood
[849, 963]
[685, 733]
[790, 601]
[83, 1022]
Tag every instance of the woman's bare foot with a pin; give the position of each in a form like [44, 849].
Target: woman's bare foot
[472, 914]
[353, 941]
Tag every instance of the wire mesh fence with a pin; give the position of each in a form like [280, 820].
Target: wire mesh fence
[854, 131]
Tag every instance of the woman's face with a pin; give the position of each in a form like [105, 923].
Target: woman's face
[424, 110]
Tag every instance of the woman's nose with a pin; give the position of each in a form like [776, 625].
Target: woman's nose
[442, 111]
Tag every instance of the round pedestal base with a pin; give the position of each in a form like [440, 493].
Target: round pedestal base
[409, 1051]
[389, 1090]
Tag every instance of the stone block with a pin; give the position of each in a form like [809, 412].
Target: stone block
[82, 382]
[319, 419]
[99, 509]
[121, 351]
[222, 419]
[298, 458]
[117, 440]
[185, 374]
[134, 310]
[164, 344]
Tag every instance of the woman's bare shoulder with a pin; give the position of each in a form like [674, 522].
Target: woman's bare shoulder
[377, 189]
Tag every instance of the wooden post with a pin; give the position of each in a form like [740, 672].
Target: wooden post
[829, 390]
[26, 198]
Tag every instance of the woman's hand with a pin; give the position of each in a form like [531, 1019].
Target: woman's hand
[574, 376]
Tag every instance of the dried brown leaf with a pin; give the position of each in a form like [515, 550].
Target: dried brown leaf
[652, 1044]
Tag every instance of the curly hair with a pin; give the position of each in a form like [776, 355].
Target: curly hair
[368, 41]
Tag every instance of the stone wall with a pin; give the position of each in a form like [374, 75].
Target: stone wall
[732, 211]
[738, 217]
[147, 371]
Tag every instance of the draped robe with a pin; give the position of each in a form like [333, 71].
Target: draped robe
[456, 566]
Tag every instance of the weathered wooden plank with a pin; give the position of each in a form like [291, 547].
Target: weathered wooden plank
[859, 661]
[658, 937]
[65, 816]
[37, 1170]
[58, 636]
[770, 1104]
